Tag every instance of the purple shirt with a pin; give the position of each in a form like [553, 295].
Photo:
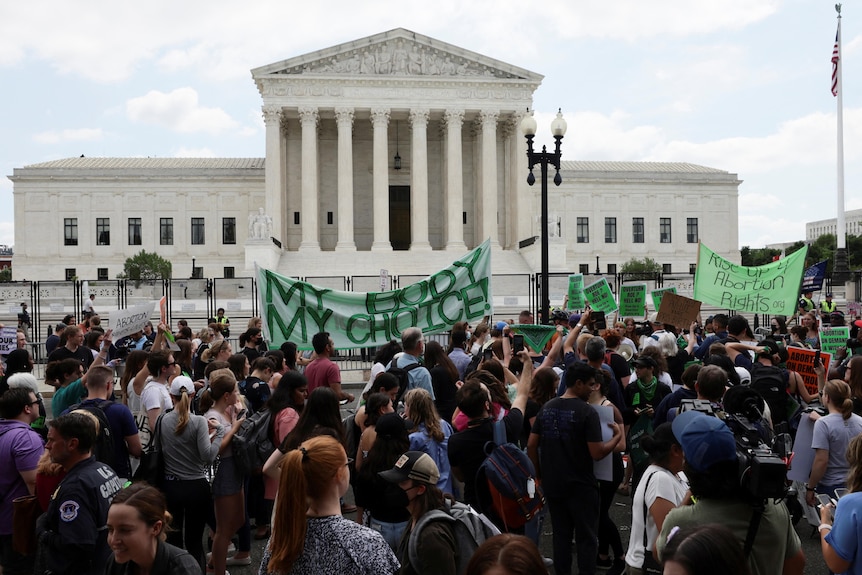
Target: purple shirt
[20, 450]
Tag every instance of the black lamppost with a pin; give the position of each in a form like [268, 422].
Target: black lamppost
[558, 129]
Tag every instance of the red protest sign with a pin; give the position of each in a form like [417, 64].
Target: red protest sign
[801, 361]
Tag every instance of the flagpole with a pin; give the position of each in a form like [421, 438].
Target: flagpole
[840, 272]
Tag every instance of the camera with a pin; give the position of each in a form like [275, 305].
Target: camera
[761, 454]
[643, 328]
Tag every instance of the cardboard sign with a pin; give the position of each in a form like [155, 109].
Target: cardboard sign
[657, 294]
[678, 310]
[8, 340]
[831, 338]
[600, 297]
[130, 320]
[801, 361]
[632, 300]
[576, 292]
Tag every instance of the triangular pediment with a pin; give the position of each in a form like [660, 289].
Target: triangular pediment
[398, 52]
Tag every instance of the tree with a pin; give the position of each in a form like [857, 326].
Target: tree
[641, 266]
[145, 266]
[6, 275]
[757, 256]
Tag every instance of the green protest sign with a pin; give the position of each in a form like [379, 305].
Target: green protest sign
[772, 288]
[657, 294]
[576, 291]
[600, 297]
[293, 310]
[831, 338]
[632, 300]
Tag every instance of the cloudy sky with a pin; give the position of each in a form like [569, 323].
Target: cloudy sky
[731, 84]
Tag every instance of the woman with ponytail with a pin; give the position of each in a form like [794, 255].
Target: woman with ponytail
[832, 435]
[309, 534]
[189, 445]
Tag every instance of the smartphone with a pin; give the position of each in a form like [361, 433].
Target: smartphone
[816, 358]
[598, 320]
[242, 413]
[841, 492]
[517, 343]
[488, 354]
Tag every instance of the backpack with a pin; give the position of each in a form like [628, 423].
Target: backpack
[403, 378]
[103, 448]
[771, 383]
[252, 444]
[509, 472]
[470, 529]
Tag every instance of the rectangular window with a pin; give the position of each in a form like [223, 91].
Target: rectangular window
[228, 231]
[197, 273]
[664, 230]
[612, 269]
[70, 232]
[229, 273]
[692, 268]
[637, 230]
[691, 230]
[134, 231]
[296, 218]
[610, 230]
[71, 274]
[665, 268]
[166, 231]
[584, 269]
[329, 218]
[198, 231]
[103, 231]
[102, 274]
[583, 230]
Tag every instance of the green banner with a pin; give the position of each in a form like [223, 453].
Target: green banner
[772, 288]
[576, 292]
[657, 294]
[831, 338]
[600, 297]
[293, 310]
[535, 336]
[632, 300]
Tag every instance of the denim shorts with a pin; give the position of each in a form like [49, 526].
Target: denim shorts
[227, 480]
[391, 532]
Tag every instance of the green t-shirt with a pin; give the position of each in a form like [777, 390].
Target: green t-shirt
[66, 397]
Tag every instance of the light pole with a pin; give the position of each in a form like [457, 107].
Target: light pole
[558, 129]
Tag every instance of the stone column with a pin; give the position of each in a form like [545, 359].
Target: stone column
[274, 207]
[309, 207]
[344, 120]
[454, 182]
[489, 178]
[519, 201]
[380, 181]
[419, 180]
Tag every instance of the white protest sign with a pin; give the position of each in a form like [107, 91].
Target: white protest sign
[8, 340]
[130, 320]
[603, 469]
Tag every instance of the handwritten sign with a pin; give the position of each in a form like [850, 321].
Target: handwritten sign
[854, 308]
[801, 361]
[657, 294]
[632, 300]
[8, 340]
[678, 310]
[130, 320]
[576, 291]
[831, 338]
[600, 297]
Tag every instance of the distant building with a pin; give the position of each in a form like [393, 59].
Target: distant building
[5, 257]
[852, 226]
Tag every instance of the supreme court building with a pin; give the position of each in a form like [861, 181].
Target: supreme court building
[396, 152]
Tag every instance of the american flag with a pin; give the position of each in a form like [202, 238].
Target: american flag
[836, 56]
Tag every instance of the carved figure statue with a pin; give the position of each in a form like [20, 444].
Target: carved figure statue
[383, 64]
[415, 63]
[399, 58]
[259, 225]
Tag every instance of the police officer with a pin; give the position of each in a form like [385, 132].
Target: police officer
[827, 306]
[72, 533]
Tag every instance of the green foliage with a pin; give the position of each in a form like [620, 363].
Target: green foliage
[757, 256]
[145, 266]
[6, 275]
[641, 266]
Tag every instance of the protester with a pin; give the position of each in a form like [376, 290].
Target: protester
[430, 434]
[841, 541]
[705, 550]
[507, 554]
[323, 372]
[444, 376]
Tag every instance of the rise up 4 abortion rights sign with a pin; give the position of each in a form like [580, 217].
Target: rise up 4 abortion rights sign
[772, 288]
[294, 310]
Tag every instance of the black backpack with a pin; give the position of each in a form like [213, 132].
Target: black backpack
[103, 449]
[252, 443]
[771, 383]
[403, 378]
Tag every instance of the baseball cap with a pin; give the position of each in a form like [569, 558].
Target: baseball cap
[415, 465]
[705, 440]
[180, 383]
[574, 318]
[501, 325]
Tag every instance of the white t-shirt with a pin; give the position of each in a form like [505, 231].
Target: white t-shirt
[155, 395]
[663, 484]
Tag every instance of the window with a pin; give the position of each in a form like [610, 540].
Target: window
[665, 268]
[71, 274]
[612, 269]
[692, 268]
[134, 231]
[583, 230]
[637, 230]
[228, 231]
[664, 230]
[102, 274]
[198, 231]
[229, 273]
[610, 230]
[329, 218]
[70, 232]
[691, 230]
[584, 269]
[166, 231]
[103, 231]
[296, 218]
[197, 273]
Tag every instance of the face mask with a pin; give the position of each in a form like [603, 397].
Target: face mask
[469, 334]
[399, 498]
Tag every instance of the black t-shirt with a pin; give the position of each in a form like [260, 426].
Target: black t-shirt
[467, 452]
[619, 366]
[564, 427]
[251, 353]
[257, 392]
[82, 354]
[531, 411]
[444, 392]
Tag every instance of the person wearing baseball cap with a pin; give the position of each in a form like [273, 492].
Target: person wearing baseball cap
[712, 469]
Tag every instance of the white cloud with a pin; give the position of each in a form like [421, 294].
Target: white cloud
[179, 111]
[184, 152]
[79, 135]
[7, 233]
